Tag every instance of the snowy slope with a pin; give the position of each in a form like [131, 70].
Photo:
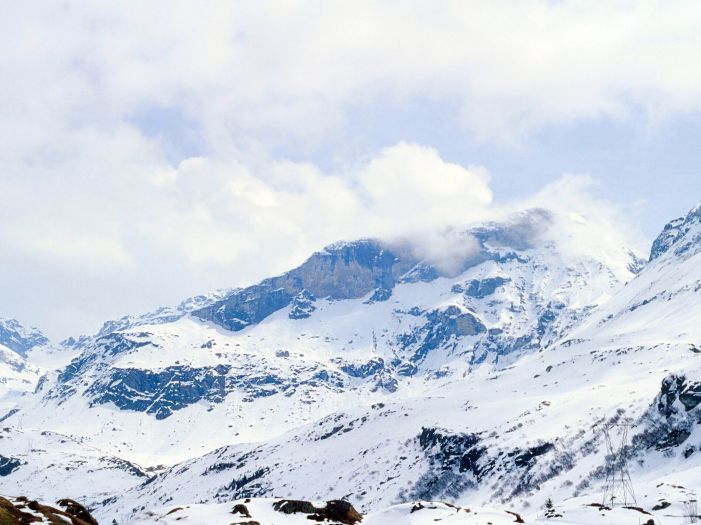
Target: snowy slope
[17, 373]
[53, 466]
[497, 436]
[269, 512]
[279, 512]
[16, 376]
[660, 306]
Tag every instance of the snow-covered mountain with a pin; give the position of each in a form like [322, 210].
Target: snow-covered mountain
[359, 322]
[18, 338]
[377, 375]
[25, 355]
[507, 432]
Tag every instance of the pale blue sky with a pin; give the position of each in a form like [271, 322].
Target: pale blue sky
[154, 152]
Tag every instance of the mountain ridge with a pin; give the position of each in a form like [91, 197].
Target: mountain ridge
[427, 385]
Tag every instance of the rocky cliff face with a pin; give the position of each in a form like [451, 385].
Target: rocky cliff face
[682, 235]
[341, 271]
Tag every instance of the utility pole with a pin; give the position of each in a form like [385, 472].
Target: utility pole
[691, 508]
[619, 486]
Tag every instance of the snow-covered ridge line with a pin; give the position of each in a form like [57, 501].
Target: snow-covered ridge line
[337, 512]
[682, 234]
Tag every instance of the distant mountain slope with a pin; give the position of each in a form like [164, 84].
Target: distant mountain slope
[19, 338]
[660, 306]
[25, 355]
[16, 376]
[17, 373]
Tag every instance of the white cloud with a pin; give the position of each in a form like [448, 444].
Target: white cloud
[447, 248]
[94, 253]
[296, 69]
[411, 187]
[586, 225]
[220, 212]
[88, 185]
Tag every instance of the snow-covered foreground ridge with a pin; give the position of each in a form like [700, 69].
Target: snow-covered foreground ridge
[292, 512]
[278, 511]
[384, 378]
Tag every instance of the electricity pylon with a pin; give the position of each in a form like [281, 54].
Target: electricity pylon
[619, 486]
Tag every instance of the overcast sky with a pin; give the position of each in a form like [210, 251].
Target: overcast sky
[154, 150]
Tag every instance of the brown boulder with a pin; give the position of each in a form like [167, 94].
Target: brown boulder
[337, 511]
[75, 509]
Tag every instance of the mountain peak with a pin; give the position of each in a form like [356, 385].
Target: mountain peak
[19, 338]
[682, 233]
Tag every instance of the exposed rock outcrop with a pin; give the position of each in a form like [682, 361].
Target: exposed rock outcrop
[341, 271]
[335, 511]
[22, 511]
